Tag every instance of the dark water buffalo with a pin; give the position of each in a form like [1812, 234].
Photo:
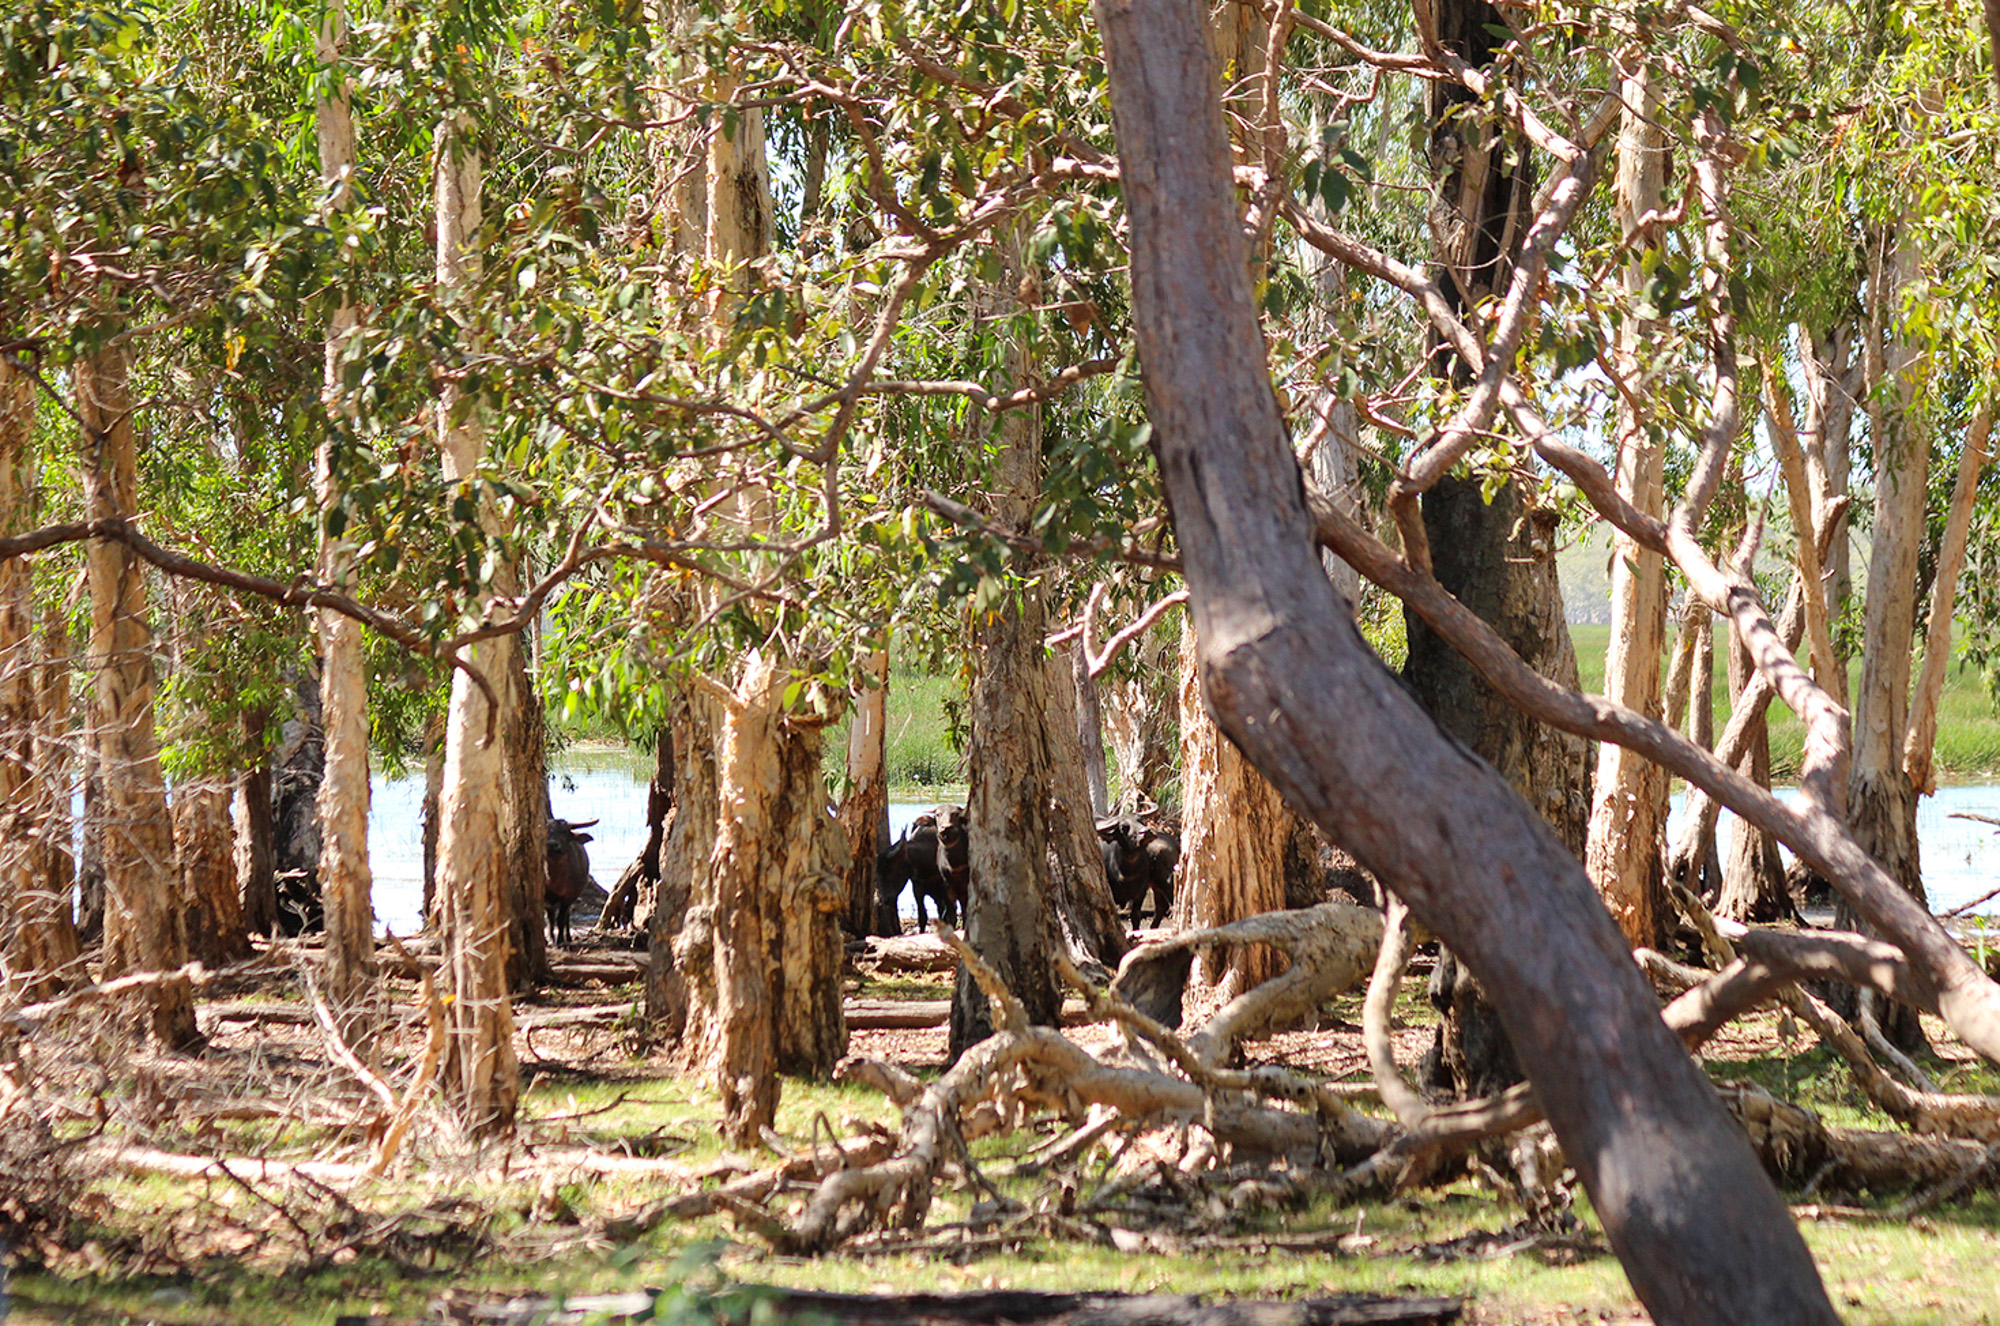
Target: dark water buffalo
[568, 872]
[1139, 860]
[932, 858]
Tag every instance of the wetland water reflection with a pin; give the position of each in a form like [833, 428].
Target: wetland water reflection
[1961, 858]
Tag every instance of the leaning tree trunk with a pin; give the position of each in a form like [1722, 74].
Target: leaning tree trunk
[1497, 556]
[37, 937]
[346, 883]
[638, 884]
[1881, 803]
[1628, 814]
[864, 815]
[1700, 1230]
[1234, 827]
[482, 1076]
[143, 929]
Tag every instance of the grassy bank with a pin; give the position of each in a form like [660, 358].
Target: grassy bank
[1968, 744]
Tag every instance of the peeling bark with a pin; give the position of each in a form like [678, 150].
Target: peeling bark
[1628, 817]
[37, 937]
[482, 1077]
[864, 815]
[346, 882]
[204, 842]
[143, 930]
[1234, 829]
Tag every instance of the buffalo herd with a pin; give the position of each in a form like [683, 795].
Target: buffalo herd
[933, 858]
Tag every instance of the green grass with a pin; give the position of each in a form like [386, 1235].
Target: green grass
[1968, 743]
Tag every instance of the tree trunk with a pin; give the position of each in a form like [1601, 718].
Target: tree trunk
[636, 895]
[1497, 557]
[143, 929]
[766, 900]
[1700, 1230]
[1090, 729]
[1833, 383]
[482, 1076]
[1009, 913]
[524, 809]
[1881, 803]
[1919, 747]
[1085, 913]
[204, 840]
[1753, 874]
[90, 841]
[1234, 827]
[428, 816]
[346, 883]
[864, 815]
[682, 950]
[1140, 705]
[298, 768]
[37, 937]
[776, 897]
[256, 864]
[1628, 814]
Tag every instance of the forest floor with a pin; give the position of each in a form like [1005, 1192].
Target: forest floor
[609, 1130]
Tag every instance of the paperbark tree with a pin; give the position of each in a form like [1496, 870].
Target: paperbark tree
[1497, 557]
[1010, 915]
[1234, 828]
[37, 936]
[143, 928]
[1753, 875]
[1881, 803]
[346, 883]
[204, 843]
[481, 1073]
[250, 810]
[1701, 1232]
[771, 891]
[1628, 813]
[864, 815]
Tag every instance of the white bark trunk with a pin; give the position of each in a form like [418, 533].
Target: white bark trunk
[143, 929]
[864, 815]
[346, 884]
[1628, 814]
[1881, 802]
[482, 1073]
[1920, 746]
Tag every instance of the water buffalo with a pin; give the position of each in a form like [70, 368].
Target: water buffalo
[932, 858]
[955, 852]
[1138, 860]
[568, 871]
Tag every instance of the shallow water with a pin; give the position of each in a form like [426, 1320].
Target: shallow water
[1961, 858]
[608, 789]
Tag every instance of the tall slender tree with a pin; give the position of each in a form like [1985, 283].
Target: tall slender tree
[144, 927]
